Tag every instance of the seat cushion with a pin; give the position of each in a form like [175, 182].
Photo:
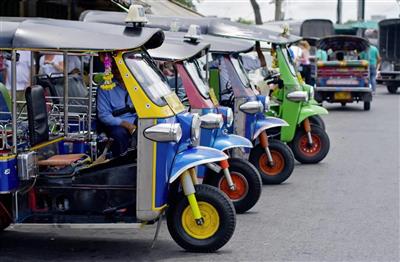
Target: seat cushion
[61, 160]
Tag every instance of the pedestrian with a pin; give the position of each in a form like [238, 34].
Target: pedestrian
[374, 60]
[51, 64]
[2, 68]
[23, 73]
[304, 61]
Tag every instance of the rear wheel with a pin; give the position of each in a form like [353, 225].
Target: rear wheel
[343, 103]
[317, 121]
[5, 217]
[310, 154]
[367, 106]
[219, 220]
[392, 89]
[283, 160]
[246, 179]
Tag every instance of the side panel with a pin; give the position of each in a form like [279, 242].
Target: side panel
[8, 174]
[154, 163]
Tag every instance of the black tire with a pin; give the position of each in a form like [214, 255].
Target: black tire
[226, 213]
[5, 217]
[248, 181]
[317, 121]
[343, 103]
[306, 155]
[280, 152]
[367, 106]
[392, 89]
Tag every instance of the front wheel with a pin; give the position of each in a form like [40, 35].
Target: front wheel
[219, 220]
[310, 154]
[283, 162]
[392, 89]
[317, 121]
[247, 182]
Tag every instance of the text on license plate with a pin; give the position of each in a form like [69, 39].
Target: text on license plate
[342, 96]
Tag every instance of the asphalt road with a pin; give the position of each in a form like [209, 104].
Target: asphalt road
[343, 209]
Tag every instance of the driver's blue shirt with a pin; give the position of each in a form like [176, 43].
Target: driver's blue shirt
[110, 100]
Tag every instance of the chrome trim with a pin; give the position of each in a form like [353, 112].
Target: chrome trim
[164, 132]
[252, 107]
[298, 96]
[343, 89]
[211, 121]
[229, 117]
[195, 130]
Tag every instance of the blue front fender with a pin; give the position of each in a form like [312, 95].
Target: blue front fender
[267, 123]
[192, 157]
[225, 142]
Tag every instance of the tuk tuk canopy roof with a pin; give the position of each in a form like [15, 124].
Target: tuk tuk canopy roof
[63, 35]
[343, 43]
[176, 48]
[209, 25]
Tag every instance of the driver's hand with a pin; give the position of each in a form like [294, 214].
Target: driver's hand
[128, 126]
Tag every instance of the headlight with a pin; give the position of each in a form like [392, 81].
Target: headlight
[298, 96]
[252, 107]
[229, 117]
[195, 130]
[165, 132]
[211, 121]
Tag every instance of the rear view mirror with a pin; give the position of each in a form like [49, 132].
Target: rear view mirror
[298, 96]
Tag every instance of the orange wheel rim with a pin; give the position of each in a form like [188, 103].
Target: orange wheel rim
[308, 150]
[276, 168]
[240, 182]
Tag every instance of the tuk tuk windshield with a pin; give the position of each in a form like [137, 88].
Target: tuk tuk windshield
[193, 69]
[240, 71]
[289, 61]
[148, 76]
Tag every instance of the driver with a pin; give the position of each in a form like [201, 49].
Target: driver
[116, 112]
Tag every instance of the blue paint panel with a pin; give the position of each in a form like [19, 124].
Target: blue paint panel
[165, 157]
[229, 141]
[8, 175]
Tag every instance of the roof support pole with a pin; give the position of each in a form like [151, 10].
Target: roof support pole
[66, 98]
[14, 99]
[90, 98]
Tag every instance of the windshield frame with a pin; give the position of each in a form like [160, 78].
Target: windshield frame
[240, 71]
[288, 60]
[204, 92]
[156, 96]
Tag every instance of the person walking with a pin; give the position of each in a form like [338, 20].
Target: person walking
[305, 65]
[373, 57]
[23, 75]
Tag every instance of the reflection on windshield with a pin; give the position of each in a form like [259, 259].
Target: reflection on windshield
[149, 79]
[240, 71]
[194, 72]
[289, 61]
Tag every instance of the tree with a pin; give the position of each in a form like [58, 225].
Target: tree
[187, 3]
[257, 12]
[279, 15]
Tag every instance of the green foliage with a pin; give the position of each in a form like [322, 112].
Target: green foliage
[245, 21]
[187, 3]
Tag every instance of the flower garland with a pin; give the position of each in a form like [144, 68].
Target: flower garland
[108, 84]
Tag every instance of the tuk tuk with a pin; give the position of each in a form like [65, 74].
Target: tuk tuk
[390, 53]
[271, 157]
[309, 143]
[43, 185]
[344, 78]
[236, 177]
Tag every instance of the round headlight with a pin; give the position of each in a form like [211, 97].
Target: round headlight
[229, 117]
[195, 129]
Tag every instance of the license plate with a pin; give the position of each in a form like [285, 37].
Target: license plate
[342, 96]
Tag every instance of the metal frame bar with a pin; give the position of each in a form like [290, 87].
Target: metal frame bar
[90, 98]
[14, 99]
[66, 98]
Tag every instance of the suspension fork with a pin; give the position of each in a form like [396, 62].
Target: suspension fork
[187, 183]
[225, 168]
[307, 128]
[265, 144]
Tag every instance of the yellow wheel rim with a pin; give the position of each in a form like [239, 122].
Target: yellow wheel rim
[211, 221]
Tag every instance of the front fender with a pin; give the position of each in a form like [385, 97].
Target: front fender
[192, 157]
[311, 110]
[267, 123]
[225, 142]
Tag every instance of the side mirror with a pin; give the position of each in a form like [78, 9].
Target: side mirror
[298, 96]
